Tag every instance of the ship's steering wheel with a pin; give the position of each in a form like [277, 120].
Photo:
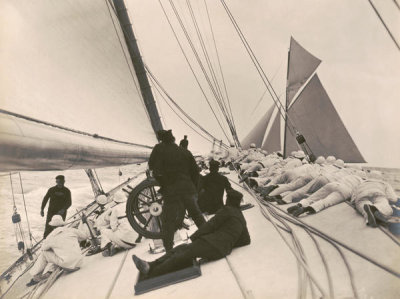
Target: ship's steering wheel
[144, 208]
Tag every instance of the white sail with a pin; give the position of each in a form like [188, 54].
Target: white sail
[62, 62]
[256, 135]
[316, 118]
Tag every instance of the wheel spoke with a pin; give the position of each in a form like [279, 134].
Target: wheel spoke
[148, 221]
[158, 222]
[141, 193]
[144, 202]
[140, 212]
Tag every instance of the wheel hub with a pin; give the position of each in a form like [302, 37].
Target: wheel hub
[155, 209]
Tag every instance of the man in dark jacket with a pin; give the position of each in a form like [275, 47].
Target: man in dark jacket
[212, 188]
[60, 201]
[176, 170]
[184, 142]
[214, 240]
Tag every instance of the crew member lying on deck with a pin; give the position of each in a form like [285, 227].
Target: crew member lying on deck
[213, 240]
[61, 248]
[373, 199]
[329, 195]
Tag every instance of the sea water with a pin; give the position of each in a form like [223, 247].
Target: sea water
[35, 185]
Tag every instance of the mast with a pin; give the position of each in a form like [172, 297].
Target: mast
[286, 106]
[138, 65]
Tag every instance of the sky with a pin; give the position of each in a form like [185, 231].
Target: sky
[63, 63]
[360, 67]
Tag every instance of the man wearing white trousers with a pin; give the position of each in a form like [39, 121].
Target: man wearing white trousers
[373, 199]
[61, 248]
[120, 235]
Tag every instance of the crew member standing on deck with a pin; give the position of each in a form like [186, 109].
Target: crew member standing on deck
[177, 173]
[60, 201]
[184, 142]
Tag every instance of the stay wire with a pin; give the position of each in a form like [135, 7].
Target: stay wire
[159, 88]
[384, 24]
[264, 78]
[196, 55]
[218, 93]
[220, 69]
[397, 4]
[26, 212]
[169, 105]
[190, 66]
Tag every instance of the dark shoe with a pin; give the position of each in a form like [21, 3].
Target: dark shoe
[93, 250]
[141, 265]
[269, 198]
[244, 178]
[252, 183]
[385, 218]
[269, 189]
[293, 208]
[279, 200]
[298, 211]
[371, 218]
[107, 249]
[32, 283]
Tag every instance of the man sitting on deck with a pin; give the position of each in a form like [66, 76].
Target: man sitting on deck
[212, 189]
[61, 248]
[213, 240]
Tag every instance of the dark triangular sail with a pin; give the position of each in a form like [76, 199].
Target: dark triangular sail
[273, 141]
[301, 66]
[257, 134]
[317, 119]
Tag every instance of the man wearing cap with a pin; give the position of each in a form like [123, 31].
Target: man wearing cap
[177, 173]
[213, 241]
[212, 189]
[61, 248]
[60, 201]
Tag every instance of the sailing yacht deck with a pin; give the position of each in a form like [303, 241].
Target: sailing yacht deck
[265, 269]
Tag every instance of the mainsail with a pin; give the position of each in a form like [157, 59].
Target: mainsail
[317, 119]
[256, 135]
[65, 63]
[301, 65]
[273, 141]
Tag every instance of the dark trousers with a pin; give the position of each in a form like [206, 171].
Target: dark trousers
[182, 256]
[48, 228]
[174, 212]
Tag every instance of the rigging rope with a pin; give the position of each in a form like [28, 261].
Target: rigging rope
[220, 69]
[384, 24]
[26, 212]
[264, 78]
[190, 66]
[169, 105]
[217, 90]
[397, 4]
[196, 54]
[158, 85]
